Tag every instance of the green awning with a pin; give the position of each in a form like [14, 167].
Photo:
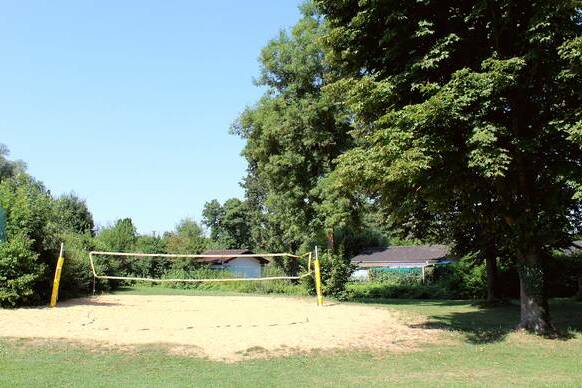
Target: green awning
[2, 224]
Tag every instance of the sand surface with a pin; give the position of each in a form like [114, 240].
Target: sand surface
[227, 328]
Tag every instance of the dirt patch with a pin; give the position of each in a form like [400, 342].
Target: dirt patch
[218, 327]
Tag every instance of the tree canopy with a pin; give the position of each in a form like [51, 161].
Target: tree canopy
[293, 135]
[229, 223]
[468, 113]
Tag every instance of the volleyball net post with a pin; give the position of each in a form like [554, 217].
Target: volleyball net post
[313, 269]
[57, 278]
[317, 275]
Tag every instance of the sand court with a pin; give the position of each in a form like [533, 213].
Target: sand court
[226, 328]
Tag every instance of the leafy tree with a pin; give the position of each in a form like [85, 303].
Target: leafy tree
[72, 213]
[77, 276]
[230, 224]
[294, 133]
[36, 225]
[153, 267]
[32, 243]
[188, 238]
[9, 168]
[119, 237]
[20, 272]
[212, 216]
[464, 110]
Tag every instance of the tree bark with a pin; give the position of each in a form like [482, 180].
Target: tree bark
[491, 265]
[579, 293]
[330, 241]
[535, 312]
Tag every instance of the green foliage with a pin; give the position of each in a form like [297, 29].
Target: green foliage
[410, 277]
[336, 270]
[230, 223]
[351, 241]
[29, 210]
[9, 168]
[564, 275]
[32, 238]
[463, 280]
[396, 284]
[187, 238]
[150, 267]
[456, 122]
[72, 213]
[119, 237]
[293, 136]
[393, 290]
[250, 287]
[77, 277]
[20, 272]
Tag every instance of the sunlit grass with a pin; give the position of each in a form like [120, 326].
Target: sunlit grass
[481, 349]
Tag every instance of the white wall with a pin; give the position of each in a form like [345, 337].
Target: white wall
[247, 267]
[360, 274]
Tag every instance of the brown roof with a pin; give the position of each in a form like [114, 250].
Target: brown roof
[226, 255]
[400, 255]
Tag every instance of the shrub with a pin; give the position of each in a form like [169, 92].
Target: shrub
[253, 287]
[77, 276]
[393, 290]
[19, 272]
[463, 279]
[336, 270]
[412, 277]
[564, 275]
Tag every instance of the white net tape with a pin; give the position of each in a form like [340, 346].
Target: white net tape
[178, 256]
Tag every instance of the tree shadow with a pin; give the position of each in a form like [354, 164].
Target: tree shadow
[85, 302]
[414, 302]
[485, 325]
[481, 323]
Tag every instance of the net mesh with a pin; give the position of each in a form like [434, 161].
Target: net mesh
[187, 268]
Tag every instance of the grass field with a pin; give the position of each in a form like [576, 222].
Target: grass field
[479, 348]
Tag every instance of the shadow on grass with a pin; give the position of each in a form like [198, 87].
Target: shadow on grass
[481, 324]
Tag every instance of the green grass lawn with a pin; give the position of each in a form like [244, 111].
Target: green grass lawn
[479, 349]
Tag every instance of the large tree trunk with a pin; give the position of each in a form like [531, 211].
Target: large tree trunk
[535, 312]
[579, 293]
[491, 265]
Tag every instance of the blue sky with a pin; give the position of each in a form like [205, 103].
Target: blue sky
[129, 103]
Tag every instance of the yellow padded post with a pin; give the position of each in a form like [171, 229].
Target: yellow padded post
[57, 280]
[317, 273]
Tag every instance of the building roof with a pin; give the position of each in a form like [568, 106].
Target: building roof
[381, 256]
[225, 255]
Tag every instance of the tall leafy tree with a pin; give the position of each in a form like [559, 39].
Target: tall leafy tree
[153, 267]
[294, 133]
[9, 168]
[119, 237]
[29, 250]
[72, 213]
[230, 223]
[187, 238]
[469, 112]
